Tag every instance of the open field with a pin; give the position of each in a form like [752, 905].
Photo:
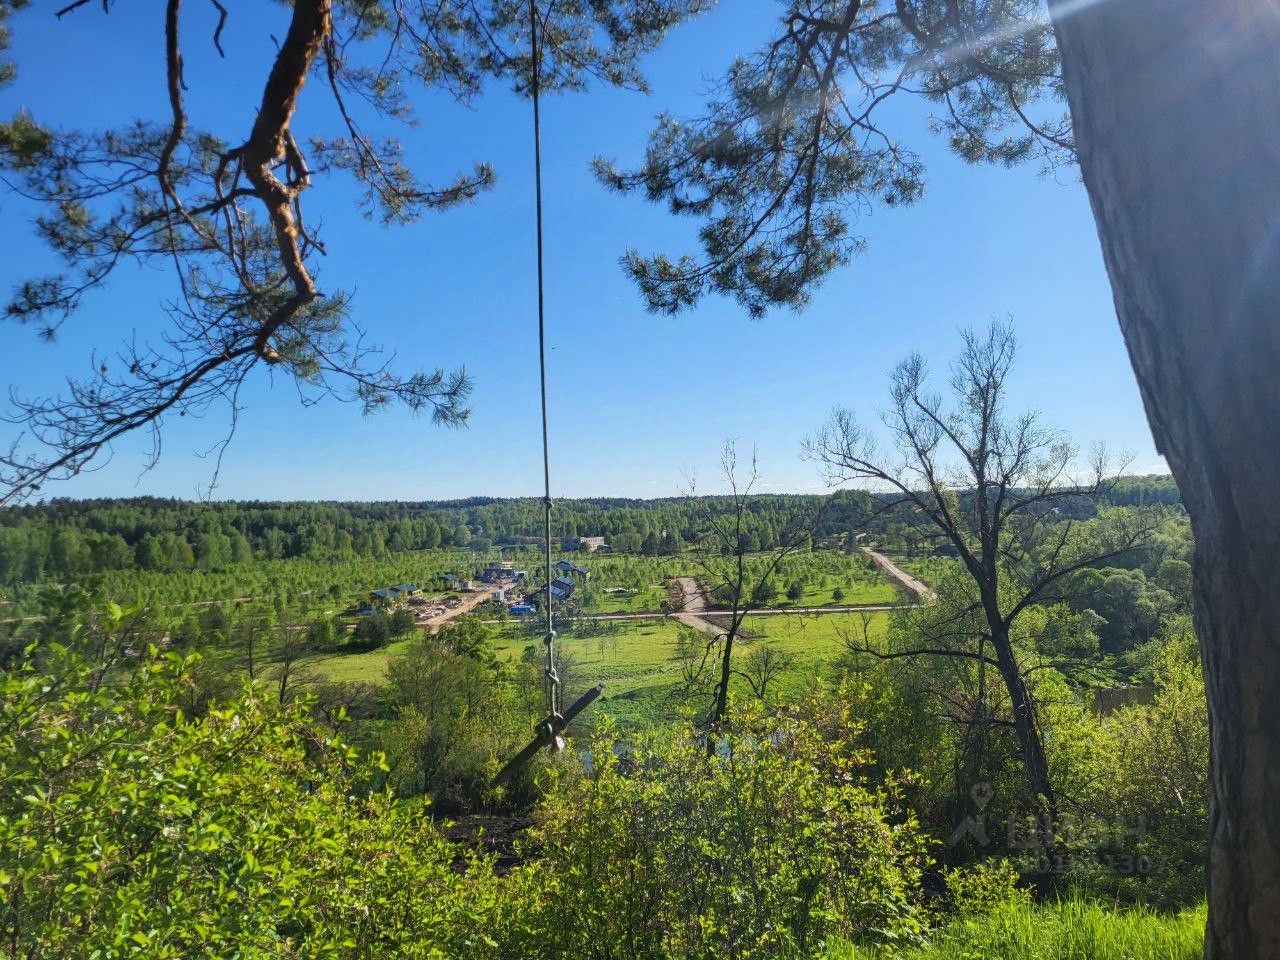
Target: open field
[641, 674]
[626, 599]
[929, 569]
[630, 584]
[636, 660]
[367, 667]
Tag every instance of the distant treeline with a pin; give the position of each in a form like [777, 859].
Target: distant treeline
[65, 538]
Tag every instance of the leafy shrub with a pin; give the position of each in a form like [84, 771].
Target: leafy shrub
[1139, 782]
[128, 828]
[980, 889]
[453, 719]
[769, 845]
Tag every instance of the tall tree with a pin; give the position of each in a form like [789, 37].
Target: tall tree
[1173, 113]
[992, 487]
[224, 210]
[1176, 114]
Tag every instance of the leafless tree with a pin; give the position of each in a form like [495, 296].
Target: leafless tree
[293, 647]
[763, 665]
[693, 652]
[338, 703]
[728, 572]
[254, 631]
[999, 491]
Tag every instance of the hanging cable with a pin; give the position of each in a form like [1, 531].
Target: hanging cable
[547, 732]
[552, 677]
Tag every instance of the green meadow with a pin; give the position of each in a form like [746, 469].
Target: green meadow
[637, 660]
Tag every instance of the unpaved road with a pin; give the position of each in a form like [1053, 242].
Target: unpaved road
[763, 612]
[692, 602]
[469, 603]
[922, 591]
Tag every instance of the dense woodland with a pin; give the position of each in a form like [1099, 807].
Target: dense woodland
[65, 539]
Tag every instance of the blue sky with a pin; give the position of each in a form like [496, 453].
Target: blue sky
[637, 401]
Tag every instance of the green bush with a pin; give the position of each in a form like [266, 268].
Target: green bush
[768, 846]
[452, 720]
[1138, 780]
[127, 828]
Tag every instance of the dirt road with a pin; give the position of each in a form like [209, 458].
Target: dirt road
[469, 603]
[906, 581]
[691, 601]
[765, 612]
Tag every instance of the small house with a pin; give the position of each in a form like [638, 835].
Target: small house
[498, 573]
[572, 569]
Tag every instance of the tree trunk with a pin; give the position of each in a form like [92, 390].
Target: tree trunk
[721, 703]
[1176, 106]
[1035, 764]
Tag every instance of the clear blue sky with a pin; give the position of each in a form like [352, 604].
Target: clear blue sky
[637, 401]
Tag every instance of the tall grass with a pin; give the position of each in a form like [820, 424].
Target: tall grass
[1070, 930]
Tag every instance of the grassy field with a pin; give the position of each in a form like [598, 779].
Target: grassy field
[367, 667]
[872, 589]
[928, 569]
[626, 599]
[627, 584]
[636, 659]
[1073, 930]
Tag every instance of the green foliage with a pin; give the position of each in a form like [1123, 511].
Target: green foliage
[769, 845]
[984, 888]
[1070, 930]
[128, 828]
[763, 594]
[142, 816]
[1130, 606]
[803, 828]
[453, 717]
[1139, 778]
